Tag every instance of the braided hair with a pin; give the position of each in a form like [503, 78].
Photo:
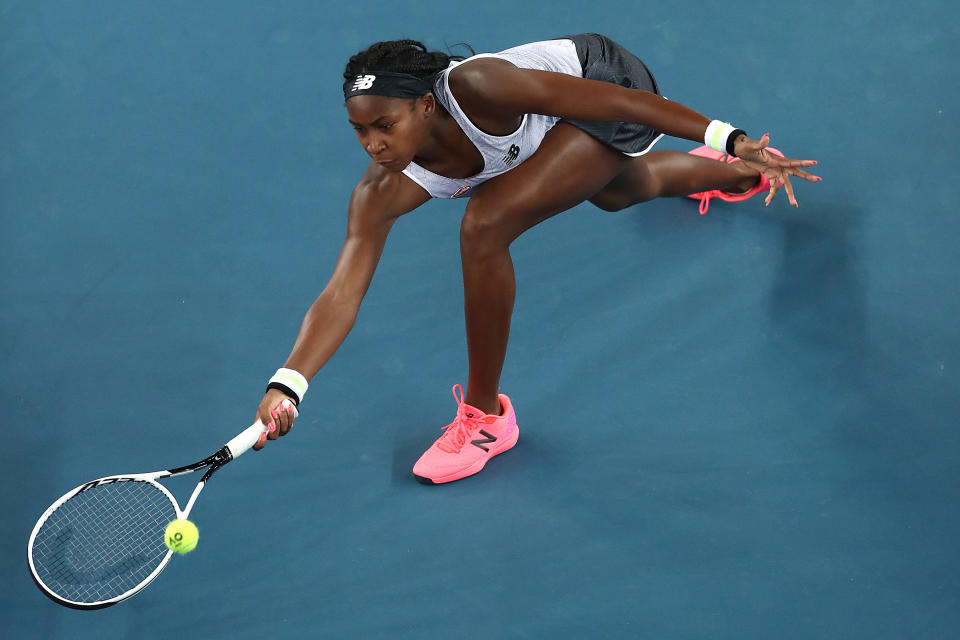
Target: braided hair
[399, 56]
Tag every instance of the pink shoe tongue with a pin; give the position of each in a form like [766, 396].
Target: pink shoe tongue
[475, 414]
[471, 411]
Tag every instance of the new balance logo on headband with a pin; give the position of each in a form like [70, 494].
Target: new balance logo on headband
[388, 84]
[363, 82]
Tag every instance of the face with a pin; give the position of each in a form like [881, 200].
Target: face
[390, 129]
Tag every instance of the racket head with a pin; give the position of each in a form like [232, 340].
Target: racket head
[103, 541]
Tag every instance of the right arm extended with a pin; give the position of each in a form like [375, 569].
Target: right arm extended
[377, 201]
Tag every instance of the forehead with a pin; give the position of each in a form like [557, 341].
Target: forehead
[369, 107]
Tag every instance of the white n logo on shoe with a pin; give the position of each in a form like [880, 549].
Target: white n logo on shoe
[480, 443]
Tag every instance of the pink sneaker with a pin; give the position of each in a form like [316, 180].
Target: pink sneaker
[468, 442]
[705, 196]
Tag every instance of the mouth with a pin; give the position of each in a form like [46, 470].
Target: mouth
[393, 164]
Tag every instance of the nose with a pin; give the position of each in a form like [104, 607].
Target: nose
[374, 145]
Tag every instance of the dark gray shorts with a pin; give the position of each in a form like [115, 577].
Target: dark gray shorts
[605, 60]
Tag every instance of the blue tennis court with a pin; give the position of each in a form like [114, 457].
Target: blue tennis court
[737, 425]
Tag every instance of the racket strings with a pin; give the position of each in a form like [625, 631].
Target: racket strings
[103, 541]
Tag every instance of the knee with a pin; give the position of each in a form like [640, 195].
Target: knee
[485, 229]
[619, 198]
[610, 201]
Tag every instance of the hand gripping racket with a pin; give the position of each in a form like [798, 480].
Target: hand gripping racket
[103, 542]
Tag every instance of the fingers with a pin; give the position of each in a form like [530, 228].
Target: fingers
[800, 173]
[259, 444]
[777, 168]
[777, 161]
[774, 187]
[782, 180]
[277, 412]
[270, 428]
[790, 196]
[283, 416]
[774, 160]
[273, 427]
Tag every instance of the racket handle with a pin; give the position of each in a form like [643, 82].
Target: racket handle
[246, 439]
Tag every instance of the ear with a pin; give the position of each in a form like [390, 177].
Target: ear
[427, 105]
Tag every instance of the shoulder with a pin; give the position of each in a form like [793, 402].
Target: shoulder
[490, 91]
[494, 90]
[383, 193]
[481, 79]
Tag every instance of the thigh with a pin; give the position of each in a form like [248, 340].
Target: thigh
[568, 168]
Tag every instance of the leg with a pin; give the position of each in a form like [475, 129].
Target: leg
[569, 167]
[671, 174]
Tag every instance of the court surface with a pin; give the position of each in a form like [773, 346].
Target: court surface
[738, 425]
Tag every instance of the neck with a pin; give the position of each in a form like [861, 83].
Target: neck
[440, 141]
[446, 150]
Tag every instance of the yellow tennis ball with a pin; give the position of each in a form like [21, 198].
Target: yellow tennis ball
[181, 536]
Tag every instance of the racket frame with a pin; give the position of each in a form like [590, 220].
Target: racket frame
[230, 451]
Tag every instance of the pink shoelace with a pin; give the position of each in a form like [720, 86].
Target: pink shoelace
[704, 203]
[463, 426]
[706, 195]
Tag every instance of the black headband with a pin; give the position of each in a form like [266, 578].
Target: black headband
[386, 83]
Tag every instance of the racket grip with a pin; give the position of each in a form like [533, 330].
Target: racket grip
[246, 439]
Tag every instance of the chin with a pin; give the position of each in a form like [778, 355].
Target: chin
[396, 166]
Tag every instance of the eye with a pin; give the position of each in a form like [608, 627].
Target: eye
[387, 126]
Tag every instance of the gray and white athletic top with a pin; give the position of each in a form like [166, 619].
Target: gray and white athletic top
[500, 153]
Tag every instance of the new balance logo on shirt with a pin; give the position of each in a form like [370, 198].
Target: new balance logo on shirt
[512, 154]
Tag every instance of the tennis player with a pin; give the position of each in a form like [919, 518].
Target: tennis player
[525, 133]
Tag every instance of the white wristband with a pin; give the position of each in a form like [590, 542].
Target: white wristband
[288, 379]
[717, 135]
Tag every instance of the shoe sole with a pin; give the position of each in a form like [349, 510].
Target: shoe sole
[476, 467]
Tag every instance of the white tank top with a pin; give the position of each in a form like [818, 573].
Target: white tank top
[500, 153]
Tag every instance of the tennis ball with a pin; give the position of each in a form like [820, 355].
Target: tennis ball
[181, 536]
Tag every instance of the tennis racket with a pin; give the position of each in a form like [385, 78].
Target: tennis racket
[103, 542]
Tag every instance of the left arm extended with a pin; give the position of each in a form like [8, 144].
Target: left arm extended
[498, 90]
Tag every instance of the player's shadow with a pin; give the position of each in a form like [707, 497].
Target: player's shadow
[817, 300]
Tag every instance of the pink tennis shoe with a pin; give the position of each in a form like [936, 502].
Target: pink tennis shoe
[468, 442]
[705, 196]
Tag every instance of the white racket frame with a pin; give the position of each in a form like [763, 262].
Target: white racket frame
[230, 451]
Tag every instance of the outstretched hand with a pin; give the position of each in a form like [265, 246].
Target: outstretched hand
[778, 170]
[277, 412]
